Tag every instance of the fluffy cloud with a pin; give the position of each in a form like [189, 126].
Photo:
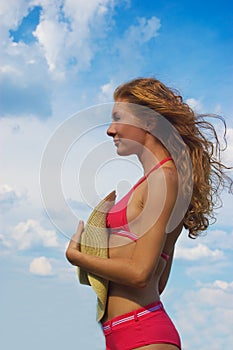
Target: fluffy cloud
[36, 75]
[41, 267]
[8, 198]
[219, 239]
[11, 14]
[197, 252]
[67, 30]
[106, 94]
[24, 81]
[131, 48]
[52, 37]
[29, 234]
[65, 43]
[143, 31]
[207, 311]
[223, 285]
[217, 293]
[195, 104]
[136, 35]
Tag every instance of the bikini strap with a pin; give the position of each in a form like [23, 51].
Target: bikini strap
[154, 168]
[158, 165]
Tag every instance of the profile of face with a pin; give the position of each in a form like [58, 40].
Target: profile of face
[127, 130]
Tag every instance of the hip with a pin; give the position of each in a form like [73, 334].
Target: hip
[143, 326]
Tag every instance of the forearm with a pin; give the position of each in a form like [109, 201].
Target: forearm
[118, 270]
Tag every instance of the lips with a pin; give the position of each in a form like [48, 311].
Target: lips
[116, 142]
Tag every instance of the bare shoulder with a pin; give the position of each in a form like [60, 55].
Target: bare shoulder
[163, 182]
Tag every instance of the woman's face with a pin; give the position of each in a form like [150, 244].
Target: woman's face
[126, 130]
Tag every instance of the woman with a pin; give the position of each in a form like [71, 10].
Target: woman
[147, 222]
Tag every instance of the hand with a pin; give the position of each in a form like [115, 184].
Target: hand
[73, 249]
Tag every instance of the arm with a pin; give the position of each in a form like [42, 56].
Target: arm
[137, 270]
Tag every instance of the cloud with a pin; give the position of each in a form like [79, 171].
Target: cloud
[145, 30]
[52, 38]
[28, 136]
[137, 35]
[68, 38]
[19, 99]
[65, 44]
[25, 83]
[11, 14]
[217, 293]
[131, 50]
[197, 252]
[41, 267]
[9, 198]
[26, 27]
[29, 234]
[107, 90]
[195, 104]
[38, 75]
[207, 311]
[220, 239]
[223, 285]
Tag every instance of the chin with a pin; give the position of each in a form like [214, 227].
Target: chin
[124, 152]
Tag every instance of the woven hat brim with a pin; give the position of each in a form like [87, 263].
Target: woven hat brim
[94, 241]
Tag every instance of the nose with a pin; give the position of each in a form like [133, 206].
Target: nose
[111, 130]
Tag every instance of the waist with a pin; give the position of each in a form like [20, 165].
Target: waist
[132, 316]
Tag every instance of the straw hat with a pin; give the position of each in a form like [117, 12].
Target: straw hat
[94, 241]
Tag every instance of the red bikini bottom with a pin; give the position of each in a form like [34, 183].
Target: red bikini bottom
[148, 325]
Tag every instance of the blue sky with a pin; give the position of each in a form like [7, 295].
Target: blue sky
[58, 58]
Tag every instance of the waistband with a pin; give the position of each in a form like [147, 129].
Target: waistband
[130, 316]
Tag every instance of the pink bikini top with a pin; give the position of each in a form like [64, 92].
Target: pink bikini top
[117, 219]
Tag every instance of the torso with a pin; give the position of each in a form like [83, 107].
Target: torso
[122, 298]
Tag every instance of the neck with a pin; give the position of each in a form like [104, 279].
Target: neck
[152, 153]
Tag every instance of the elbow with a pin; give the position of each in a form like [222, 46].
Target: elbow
[141, 279]
[69, 258]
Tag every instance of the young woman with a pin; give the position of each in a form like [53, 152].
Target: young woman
[176, 191]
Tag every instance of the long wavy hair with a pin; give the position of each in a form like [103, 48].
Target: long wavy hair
[209, 173]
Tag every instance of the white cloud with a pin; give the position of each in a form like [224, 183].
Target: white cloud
[12, 12]
[66, 41]
[197, 252]
[218, 293]
[66, 33]
[107, 90]
[131, 48]
[9, 198]
[136, 36]
[223, 285]
[29, 234]
[220, 239]
[195, 104]
[144, 31]
[7, 69]
[25, 81]
[41, 266]
[28, 136]
[206, 311]
[52, 37]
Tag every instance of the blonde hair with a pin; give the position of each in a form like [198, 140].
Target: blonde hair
[200, 137]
